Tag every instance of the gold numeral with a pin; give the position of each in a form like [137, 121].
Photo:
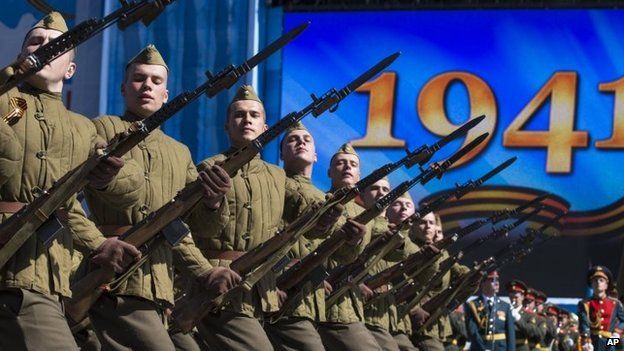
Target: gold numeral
[560, 139]
[431, 102]
[616, 141]
[380, 113]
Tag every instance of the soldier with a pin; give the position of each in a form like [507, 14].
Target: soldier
[548, 329]
[601, 317]
[155, 170]
[489, 321]
[401, 209]
[344, 328]
[425, 232]
[525, 322]
[298, 330]
[380, 317]
[40, 143]
[529, 308]
[249, 210]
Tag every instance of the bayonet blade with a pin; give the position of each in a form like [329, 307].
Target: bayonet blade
[276, 45]
[458, 132]
[496, 170]
[366, 76]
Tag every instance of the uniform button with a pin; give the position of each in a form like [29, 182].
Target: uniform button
[42, 155]
[247, 205]
[39, 116]
[143, 209]
[142, 146]
[244, 175]
[146, 175]
[246, 236]
[37, 191]
[601, 302]
[492, 320]
[601, 327]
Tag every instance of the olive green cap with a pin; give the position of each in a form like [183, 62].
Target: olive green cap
[148, 56]
[346, 148]
[54, 21]
[246, 92]
[406, 195]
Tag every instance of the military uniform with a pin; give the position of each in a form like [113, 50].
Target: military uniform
[154, 171]
[457, 340]
[432, 339]
[548, 331]
[36, 150]
[525, 321]
[600, 317]
[298, 330]
[490, 325]
[344, 327]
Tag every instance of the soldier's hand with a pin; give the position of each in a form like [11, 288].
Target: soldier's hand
[329, 218]
[219, 280]
[105, 171]
[354, 231]
[115, 255]
[216, 183]
[419, 316]
[588, 347]
[431, 250]
[282, 296]
[367, 293]
[328, 288]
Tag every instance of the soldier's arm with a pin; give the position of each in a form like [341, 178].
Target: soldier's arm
[189, 260]
[510, 330]
[403, 251]
[472, 328]
[348, 253]
[128, 186]
[11, 152]
[583, 315]
[204, 221]
[619, 313]
[84, 232]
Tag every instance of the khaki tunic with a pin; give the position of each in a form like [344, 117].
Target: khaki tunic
[36, 151]
[442, 329]
[349, 307]
[250, 214]
[383, 313]
[154, 171]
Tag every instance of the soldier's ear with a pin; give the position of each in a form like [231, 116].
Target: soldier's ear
[166, 95]
[71, 70]
[315, 157]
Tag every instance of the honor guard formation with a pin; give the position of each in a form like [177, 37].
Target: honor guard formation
[234, 253]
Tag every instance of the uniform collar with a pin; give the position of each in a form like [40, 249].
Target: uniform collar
[35, 91]
[299, 178]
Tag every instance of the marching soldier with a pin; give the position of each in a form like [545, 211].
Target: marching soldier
[344, 328]
[298, 330]
[529, 308]
[41, 141]
[401, 209]
[426, 232]
[548, 329]
[525, 322]
[155, 170]
[381, 316]
[600, 317]
[248, 210]
[489, 321]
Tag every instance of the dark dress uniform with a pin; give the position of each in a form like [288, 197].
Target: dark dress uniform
[490, 325]
[599, 319]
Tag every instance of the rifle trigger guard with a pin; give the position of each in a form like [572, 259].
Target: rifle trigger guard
[333, 108]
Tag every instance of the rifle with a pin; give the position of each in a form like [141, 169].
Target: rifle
[378, 248]
[190, 310]
[417, 262]
[437, 306]
[244, 264]
[16, 230]
[130, 12]
[165, 219]
[447, 264]
[302, 270]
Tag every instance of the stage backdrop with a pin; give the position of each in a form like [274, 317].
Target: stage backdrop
[550, 83]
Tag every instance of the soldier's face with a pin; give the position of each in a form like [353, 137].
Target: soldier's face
[516, 298]
[400, 210]
[490, 286]
[375, 192]
[529, 304]
[425, 229]
[344, 170]
[56, 71]
[298, 148]
[145, 88]
[599, 284]
[246, 121]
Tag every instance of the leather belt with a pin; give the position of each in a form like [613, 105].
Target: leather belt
[11, 207]
[114, 229]
[15, 206]
[229, 255]
[494, 337]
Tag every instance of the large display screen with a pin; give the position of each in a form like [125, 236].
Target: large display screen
[550, 83]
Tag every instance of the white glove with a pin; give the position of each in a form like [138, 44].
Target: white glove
[615, 335]
[588, 347]
[516, 314]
